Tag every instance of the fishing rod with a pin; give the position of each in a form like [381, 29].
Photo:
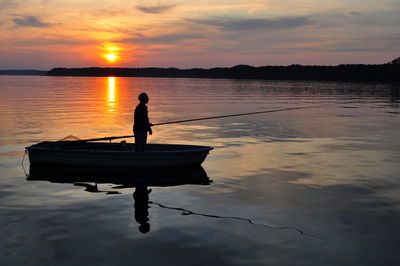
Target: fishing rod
[199, 119]
[240, 114]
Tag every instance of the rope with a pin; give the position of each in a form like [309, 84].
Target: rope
[22, 163]
[187, 212]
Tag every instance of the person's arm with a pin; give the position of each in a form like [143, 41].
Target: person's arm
[149, 125]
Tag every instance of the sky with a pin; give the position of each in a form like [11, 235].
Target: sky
[42, 34]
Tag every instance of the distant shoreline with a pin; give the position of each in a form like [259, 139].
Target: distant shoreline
[381, 73]
[24, 72]
[372, 73]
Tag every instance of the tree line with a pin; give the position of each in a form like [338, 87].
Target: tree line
[384, 72]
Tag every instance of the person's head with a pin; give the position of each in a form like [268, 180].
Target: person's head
[143, 98]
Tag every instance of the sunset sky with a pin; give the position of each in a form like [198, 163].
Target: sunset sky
[42, 34]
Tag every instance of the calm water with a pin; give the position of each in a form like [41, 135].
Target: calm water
[317, 186]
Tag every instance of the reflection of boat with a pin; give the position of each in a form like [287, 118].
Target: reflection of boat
[125, 177]
[116, 154]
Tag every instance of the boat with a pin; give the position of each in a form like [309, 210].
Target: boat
[116, 154]
[124, 177]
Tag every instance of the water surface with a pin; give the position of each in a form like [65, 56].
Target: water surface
[314, 186]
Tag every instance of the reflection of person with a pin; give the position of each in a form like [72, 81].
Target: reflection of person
[141, 197]
[141, 123]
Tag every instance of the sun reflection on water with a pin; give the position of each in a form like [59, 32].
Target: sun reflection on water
[111, 98]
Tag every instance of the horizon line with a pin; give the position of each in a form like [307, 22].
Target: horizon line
[294, 64]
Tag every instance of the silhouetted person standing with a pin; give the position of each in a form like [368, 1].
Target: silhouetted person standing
[141, 197]
[141, 123]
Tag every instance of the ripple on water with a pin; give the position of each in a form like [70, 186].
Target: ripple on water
[330, 171]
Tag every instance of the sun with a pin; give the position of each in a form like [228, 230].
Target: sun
[111, 52]
[111, 58]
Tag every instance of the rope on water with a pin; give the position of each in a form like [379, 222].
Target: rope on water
[187, 212]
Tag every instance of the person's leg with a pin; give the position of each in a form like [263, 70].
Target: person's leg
[140, 140]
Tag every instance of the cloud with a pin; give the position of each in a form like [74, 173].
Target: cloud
[353, 19]
[6, 3]
[30, 21]
[230, 24]
[156, 9]
[167, 38]
[50, 42]
[344, 49]
[355, 13]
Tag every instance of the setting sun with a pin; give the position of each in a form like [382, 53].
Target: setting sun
[111, 58]
[111, 52]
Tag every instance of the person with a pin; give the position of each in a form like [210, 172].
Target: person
[141, 124]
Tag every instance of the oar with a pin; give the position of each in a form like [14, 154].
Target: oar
[198, 119]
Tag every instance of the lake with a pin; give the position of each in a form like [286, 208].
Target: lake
[312, 186]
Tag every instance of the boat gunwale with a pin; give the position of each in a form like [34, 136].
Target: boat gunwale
[200, 149]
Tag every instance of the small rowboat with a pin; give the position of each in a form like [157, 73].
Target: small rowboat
[116, 154]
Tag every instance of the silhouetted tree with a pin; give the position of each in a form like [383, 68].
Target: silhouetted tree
[388, 72]
[396, 61]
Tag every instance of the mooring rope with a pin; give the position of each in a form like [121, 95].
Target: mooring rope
[22, 162]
